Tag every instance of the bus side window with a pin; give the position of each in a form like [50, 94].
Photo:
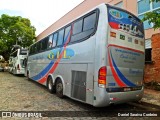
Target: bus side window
[77, 29]
[89, 22]
[44, 43]
[60, 37]
[34, 48]
[30, 50]
[89, 25]
[38, 46]
[55, 39]
[50, 42]
[67, 33]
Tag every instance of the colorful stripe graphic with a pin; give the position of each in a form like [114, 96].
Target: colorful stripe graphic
[42, 76]
[114, 25]
[116, 77]
[122, 77]
[121, 80]
[138, 51]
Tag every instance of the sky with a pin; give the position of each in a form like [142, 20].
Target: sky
[42, 13]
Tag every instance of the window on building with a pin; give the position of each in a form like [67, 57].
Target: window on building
[145, 23]
[148, 55]
[120, 5]
[148, 51]
[145, 6]
[156, 5]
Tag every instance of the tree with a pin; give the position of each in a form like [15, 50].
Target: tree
[15, 30]
[153, 17]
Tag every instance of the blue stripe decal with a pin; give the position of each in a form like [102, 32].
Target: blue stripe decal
[122, 77]
[43, 72]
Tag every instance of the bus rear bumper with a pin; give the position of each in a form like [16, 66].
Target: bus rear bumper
[123, 97]
[109, 98]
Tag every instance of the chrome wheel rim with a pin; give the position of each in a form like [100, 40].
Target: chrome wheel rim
[50, 84]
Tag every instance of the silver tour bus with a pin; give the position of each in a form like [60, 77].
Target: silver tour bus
[16, 58]
[97, 58]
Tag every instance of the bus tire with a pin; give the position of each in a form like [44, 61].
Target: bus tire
[50, 85]
[59, 89]
[28, 75]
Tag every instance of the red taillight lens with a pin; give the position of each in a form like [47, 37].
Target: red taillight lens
[102, 77]
[18, 67]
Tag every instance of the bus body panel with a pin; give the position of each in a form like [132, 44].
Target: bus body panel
[81, 61]
[125, 49]
[99, 95]
[124, 60]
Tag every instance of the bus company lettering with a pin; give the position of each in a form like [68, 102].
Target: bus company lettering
[116, 13]
[135, 71]
[127, 52]
[55, 54]
[129, 57]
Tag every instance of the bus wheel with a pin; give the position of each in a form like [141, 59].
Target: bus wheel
[59, 89]
[50, 86]
[27, 75]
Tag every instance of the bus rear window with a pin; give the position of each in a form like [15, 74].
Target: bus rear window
[122, 20]
[23, 52]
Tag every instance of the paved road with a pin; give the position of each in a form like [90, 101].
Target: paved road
[19, 94]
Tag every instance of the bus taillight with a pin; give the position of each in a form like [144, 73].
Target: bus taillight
[102, 77]
[18, 67]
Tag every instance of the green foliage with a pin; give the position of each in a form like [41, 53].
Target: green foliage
[154, 0]
[15, 30]
[153, 17]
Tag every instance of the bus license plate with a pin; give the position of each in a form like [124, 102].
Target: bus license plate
[127, 89]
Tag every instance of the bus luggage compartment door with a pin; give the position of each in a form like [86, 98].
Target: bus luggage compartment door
[78, 83]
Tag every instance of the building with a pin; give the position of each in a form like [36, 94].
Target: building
[137, 7]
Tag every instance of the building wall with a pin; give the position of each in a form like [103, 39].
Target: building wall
[152, 71]
[150, 32]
